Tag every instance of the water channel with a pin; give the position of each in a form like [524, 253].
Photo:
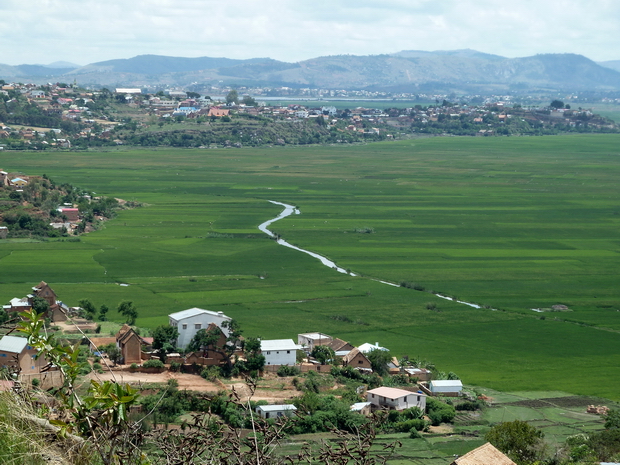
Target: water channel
[290, 210]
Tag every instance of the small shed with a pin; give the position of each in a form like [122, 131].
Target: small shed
[447, 387]
[276, 411]
[363, 408]
[4, 232]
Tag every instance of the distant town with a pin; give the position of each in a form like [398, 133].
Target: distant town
[62, 116]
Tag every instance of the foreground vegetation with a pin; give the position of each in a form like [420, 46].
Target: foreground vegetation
[510, 223]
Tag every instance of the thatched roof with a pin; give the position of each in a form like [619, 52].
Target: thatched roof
[486, 454]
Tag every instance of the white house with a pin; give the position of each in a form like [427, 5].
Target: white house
[367, 347]
[447, 387]
[309, 340]
[279, 351]
[397, 399]
[276, 411]
[189, 322]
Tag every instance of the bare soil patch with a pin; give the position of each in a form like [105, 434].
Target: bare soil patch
[185, 380]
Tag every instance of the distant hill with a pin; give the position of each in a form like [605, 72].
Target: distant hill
[406, 71]
[614, 64]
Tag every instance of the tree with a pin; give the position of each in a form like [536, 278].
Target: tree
[89, 309]
[323, 354]
[127, 309]
[255, 361]
[612, 419]
[232, 97]
[517, 439]
[556, 104]
[379, 360]
[103, 311]
[40, 305]
[249, 101]
[164, 340]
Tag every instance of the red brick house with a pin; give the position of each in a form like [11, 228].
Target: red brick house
[130, 345]
[356, 359]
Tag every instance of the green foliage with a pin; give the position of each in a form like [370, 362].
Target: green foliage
[612, 419]
[232, 97]
[517, 439]
[153, 363]
[103, 311]
[129, 311]
[379, 360]
[89, 309]
[439, 412]
[323, 354]
[40, 305]
[164, 340]
[286, 370]
[211, 373]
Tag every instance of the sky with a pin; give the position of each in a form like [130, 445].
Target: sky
[87, 31]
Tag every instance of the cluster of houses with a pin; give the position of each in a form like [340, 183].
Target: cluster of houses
[135, 349]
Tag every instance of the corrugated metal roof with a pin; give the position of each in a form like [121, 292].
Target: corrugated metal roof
[393, 393]
[13, 344]
[278, 344]
[193, 312]
[276, 408]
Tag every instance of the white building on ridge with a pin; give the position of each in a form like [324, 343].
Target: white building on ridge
[189, 322]
[279, 351]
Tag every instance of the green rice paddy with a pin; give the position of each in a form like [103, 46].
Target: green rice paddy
[508, 223]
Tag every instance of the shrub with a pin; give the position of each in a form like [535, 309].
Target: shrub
[133, 366]
[153, 364]
[36, 382]
[211, 373]
[439, 412]
[414, 434]
[175, 366]
[408, 425]
[286, 370]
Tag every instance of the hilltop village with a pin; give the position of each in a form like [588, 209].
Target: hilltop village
[61, 116]
[36, 207]
[201, 363]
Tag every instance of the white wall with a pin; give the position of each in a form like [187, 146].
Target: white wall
[188, 327]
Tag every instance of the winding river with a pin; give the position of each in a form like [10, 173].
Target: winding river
[288, 211]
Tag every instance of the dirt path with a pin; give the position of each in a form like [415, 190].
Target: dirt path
[185, 380]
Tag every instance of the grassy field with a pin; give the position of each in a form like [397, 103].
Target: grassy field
[510, 223]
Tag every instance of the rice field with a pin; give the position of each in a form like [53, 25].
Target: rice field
[512, 224]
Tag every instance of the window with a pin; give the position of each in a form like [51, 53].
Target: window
[184, 326]
[288, 351]
[197, 326]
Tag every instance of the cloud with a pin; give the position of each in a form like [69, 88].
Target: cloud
[86, 31]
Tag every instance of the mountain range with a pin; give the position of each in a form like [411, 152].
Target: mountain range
[406, 71]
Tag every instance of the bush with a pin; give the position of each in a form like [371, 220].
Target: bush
[153, 364]
[414, 434]
[175, 366]
[211, 373]
[133, 366]
[439, 412]
[408, 425]
[286, 370]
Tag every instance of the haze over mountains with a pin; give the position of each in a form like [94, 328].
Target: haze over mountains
[405, 71]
